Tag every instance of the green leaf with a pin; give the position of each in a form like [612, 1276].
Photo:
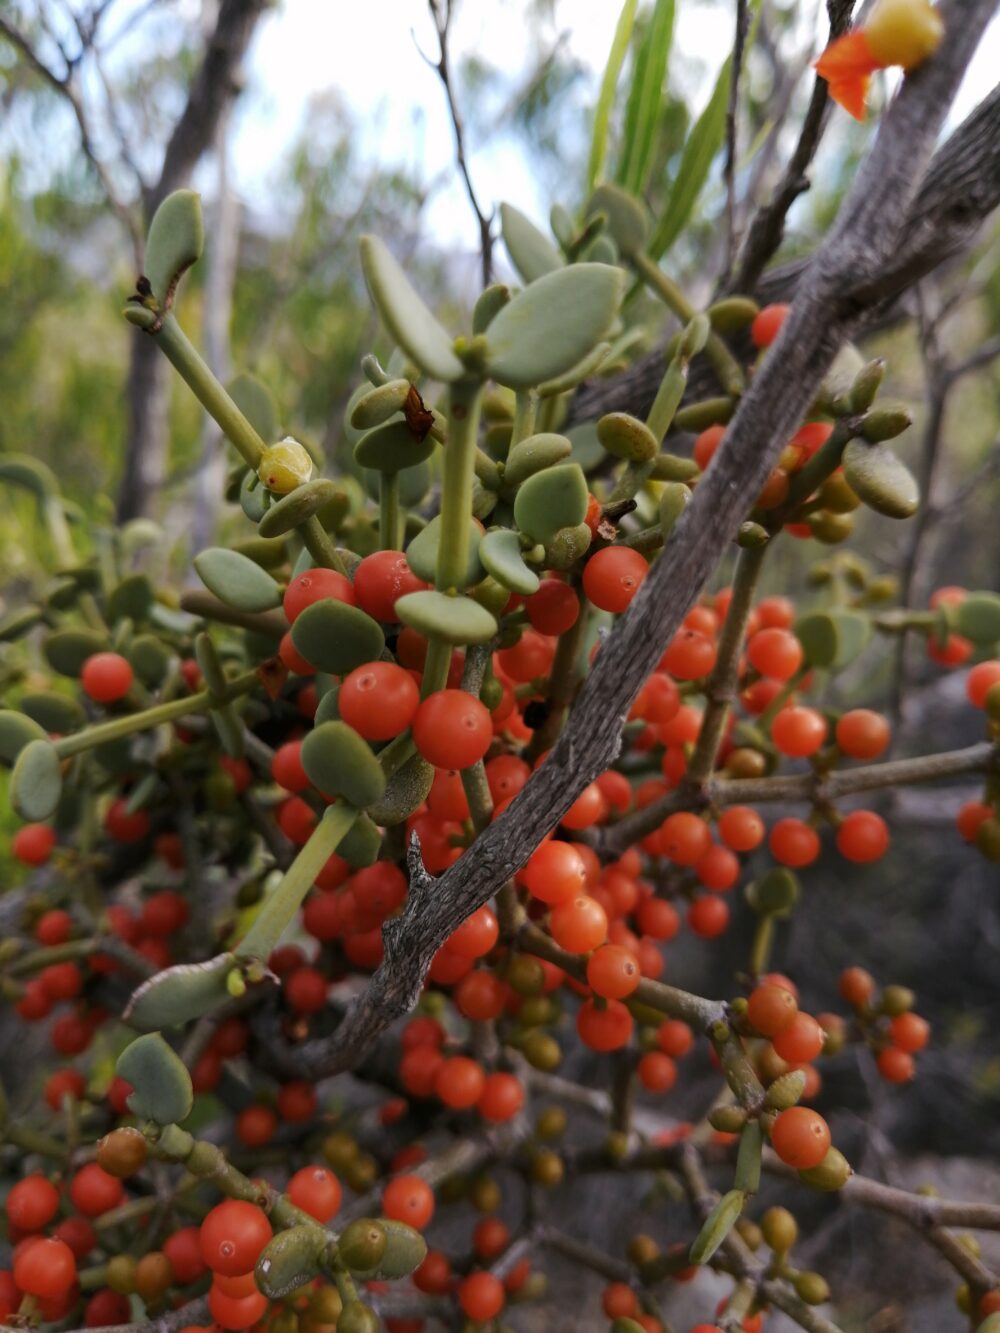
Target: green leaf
[257, 404]
[54, 712]
[405, 1250]
[405, 792]
[488, 304]
[161, 1084]
[881, 480]
[175, 241]
[379, 404]
[534, 454]
[131, 599]
[422, 552]
[457, 620]
[289, 1260]
[340, 763]
[627, 437]
[361, 844]
[747, 1177]
[298, 506]
[236, 580]
[404, 314]
[67, 649]
[500, 551]
[553, 324]
[336, 637]
[33, 475]
[718, 1225]
[606, 97]
[531, 251]
[392, 447]
[833, 639]
[178, 994]
[36, 781]
[642, 114]
[550, 500]
[977, 618]
[150, 660]
[16, 731]
[16, 623]
[699, 153]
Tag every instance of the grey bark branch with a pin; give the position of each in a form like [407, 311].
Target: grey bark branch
[824, 315]
[960, 190]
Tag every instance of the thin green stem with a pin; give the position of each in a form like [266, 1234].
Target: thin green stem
[561, 687]
[760, 949]
[722, 360]
[456, 484]
[182, 353]
[668, 398]
[321, 546]
[390, 529]
[117, 727]
[436, 667]
[280, 908]
[525, 407]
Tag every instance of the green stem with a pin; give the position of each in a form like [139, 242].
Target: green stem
[33, 1140]
[280, 908]
[760, 950]
[526, 404]
[321, 546]
[824, 461]
[184, 356]
[456, 484]
[118, 727]
[389, 527]
[562, 683]
[763, 722]
[668, 398]
[722, 360]
[436, 667]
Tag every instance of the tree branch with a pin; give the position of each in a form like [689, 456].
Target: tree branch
[864, 237]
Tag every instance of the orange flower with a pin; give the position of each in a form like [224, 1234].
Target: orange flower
[847, 65]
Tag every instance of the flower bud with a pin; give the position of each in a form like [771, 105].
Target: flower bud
[786, 1090]
[285, 465]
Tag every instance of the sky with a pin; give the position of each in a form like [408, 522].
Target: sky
[368, 51]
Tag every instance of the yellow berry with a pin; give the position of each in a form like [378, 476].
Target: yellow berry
[903, 32]
[285, 465]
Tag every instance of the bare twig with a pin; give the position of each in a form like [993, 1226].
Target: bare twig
[767, 229]
[441, 12]
[739, 43]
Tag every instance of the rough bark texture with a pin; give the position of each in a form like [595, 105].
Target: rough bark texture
[829, 309]
[214, 87]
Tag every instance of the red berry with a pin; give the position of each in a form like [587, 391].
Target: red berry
[315, 585]
[32, 1203]
[451, 729]
[44, 1267]
[801, 1137]
[232, 1236]
[767, 324]
[378, 700]
[106, 677]
[612, 577]
[316, 1190]
[33, 844]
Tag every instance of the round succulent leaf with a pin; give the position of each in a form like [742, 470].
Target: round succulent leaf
[625, 436]
[404, 314]
[36, 781]
[268, 552]
[161, 1084]
[180, 993]
[587, 448]
[254, 497]
[455, 620]
[237, 580]
[131, 599]
[380, 403]
[340, 763]
[422, 552]
[392, 447]
[297, 506]
[414, 483]
[977, 618]
[256, 402]
[404, 793]
[138, 534]
[489, 303]
[553, 324]
[880, 480]
[336, 637]
[405, 1250]
[54, 712]
[16, 731]
[500, 552]
[674, 499]
[66, 650]
[576, 374]
[534, 454]
[289, 1260]
[833, 639]
[732, 313]
[567, 546]
[175, 242]
[530, 250]
[550, 500]
[361, 845]
[627, 220]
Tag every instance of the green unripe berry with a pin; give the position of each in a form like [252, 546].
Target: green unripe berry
[897, 1000]
[547, 1168]
[780, 1229]
[551, 1123]
[362, 1244]
[833, 1172]
[357, 1318]
[811, 1288]
[727, 1119]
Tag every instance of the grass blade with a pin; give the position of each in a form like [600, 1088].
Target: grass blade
[609, 84]
[642, 114]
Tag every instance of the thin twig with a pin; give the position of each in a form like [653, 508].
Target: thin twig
[739, 43]
[441, 12]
